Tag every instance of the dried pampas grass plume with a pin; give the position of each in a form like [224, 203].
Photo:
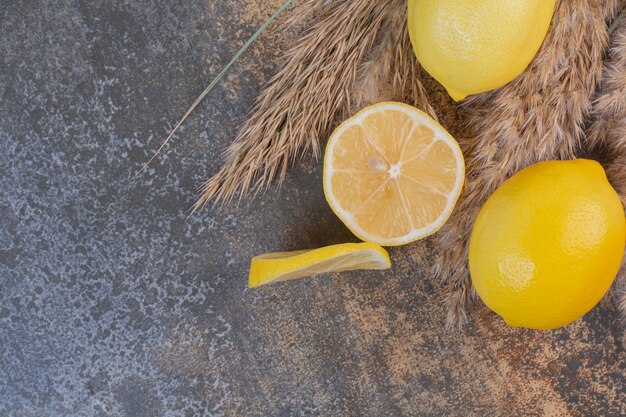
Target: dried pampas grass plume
[607, 133]
[408, 75]
[349, 45]
[538, 116]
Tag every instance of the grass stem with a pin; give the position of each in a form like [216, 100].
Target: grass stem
[217, 79]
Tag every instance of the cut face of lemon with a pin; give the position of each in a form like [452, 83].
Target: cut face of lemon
[284, 266]
[392, 174]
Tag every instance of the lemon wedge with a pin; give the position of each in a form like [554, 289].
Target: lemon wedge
[283, 266]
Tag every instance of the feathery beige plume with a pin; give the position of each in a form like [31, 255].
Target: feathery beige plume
[538, 116]
[376, 68]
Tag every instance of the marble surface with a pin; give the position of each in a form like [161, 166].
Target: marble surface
[114, 302]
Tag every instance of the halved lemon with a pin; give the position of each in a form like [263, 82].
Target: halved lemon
[284, 266]
[392, 174]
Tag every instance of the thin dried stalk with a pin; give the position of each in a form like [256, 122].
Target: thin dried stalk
[608, 130]
[302, 101]
[539, 116]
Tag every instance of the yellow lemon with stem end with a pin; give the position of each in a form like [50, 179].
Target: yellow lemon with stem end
[548, 243]
[471, 46]
[392, 174]
[283, 266]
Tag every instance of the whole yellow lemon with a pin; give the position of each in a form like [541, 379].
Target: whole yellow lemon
[548, 243]
[471, 46]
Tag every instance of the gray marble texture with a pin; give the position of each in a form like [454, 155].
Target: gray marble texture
[114, 302]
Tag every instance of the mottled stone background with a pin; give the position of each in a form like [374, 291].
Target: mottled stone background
[114, 303]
